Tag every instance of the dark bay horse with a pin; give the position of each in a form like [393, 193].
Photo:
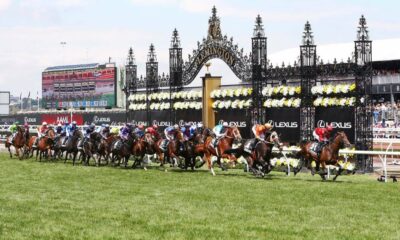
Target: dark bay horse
[90, 148]
[259, 160]
[232, 136]
[71, 146]
[45, 143]
[329, 153]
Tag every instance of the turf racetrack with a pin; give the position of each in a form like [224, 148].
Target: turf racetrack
[59, 201]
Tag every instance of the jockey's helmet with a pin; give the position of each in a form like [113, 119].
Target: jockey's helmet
[155, 127]
[176, 126]
[74, 123]
[26, 125]
[199, 125]
[59, 125]
[141, 126]
[329, 128]
[44, 123]
[268, 126]
[225, 124]
[16, 122]
[107, 126]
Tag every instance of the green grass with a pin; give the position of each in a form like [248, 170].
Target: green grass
[59, 201]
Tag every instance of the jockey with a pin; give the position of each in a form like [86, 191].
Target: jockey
[200, 128]
[42, 129]
[13, 129]
[170, 134]
[322, 136]
[59, 129]
[26, 127]
[153, 131]
[192, 131]
[105, 131]
[71, 128]
[186, 132]
[261, 132]
[139, 131]
[220, 131]
[90, 130]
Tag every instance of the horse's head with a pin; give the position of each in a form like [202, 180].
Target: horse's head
[233, 132]
[342, 140]
[51, 133]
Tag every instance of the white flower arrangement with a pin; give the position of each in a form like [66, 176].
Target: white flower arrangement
[331, 102]
[283, 102]
[232, 104]
[137, 107]
[333, 89]
[278, 162]
[230, 92]
[281, 90]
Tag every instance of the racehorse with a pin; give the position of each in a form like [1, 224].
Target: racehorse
[71, 146]
[122, 150]
[329, 153]
[90, 147]
[231, 136]
[18, 142]
[45, 143]
[261, 155]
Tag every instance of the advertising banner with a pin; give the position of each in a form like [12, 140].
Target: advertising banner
[57, 118]
[341, 119]
[235, 117]
[286, 122]
[105, 118]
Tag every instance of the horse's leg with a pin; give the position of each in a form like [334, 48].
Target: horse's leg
[209, 164]
[339, 172]
[66, 155]
[322, 172]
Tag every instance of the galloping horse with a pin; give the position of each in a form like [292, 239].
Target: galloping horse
[45, 143]
[329, 153]
[72, 145]
[90, 147]
[232, 135]
[18, 142]
[261, 155]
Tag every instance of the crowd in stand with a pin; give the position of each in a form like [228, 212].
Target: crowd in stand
[386, 114]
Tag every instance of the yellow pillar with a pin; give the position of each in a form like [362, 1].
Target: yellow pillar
[210, 83]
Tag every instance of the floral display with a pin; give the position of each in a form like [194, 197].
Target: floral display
[277, 162]
[184, 95]
[331, 102]
[333, 89]
[230, 93]
[166, 105]
[281, 90]
[232, 104]
[283, 102]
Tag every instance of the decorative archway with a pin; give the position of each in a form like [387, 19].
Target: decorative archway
[217, 46]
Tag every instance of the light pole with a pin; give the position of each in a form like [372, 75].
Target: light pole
[63, 45]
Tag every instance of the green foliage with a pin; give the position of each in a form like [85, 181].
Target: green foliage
[59, 201]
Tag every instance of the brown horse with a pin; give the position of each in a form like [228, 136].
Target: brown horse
[45, 143]
[329, 153]
[231, 136]
[261, 155]
[18, 142]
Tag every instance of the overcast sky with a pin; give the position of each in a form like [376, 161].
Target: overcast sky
[94, 30]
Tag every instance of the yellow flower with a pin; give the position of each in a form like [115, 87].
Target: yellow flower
[298, 90]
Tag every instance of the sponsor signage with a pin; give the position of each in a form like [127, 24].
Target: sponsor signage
[341, 119]
[286, 122]
[235, 118]
[57, 118]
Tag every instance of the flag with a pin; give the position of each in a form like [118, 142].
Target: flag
[29, 94]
